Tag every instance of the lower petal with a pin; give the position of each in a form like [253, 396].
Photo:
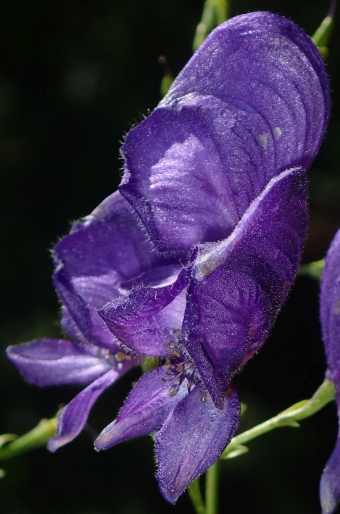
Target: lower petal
[330, 482]
[74, 415]
[47, 362]
[145, 409]
[192, 438]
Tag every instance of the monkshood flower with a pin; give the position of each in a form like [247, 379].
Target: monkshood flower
[95, 263]
[217, 176]
[330, 321]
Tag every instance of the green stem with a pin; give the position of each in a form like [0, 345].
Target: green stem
[211, 488]
[214, 13]
[313, 269]
[36, 437]
[287, 418]
[196, 496]
[323, 33]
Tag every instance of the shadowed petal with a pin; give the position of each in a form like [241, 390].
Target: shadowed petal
[330, 480]
[194, 166]
[330, 321]
[330, 310]
[192, 439]
[74, 415]
[79, 315]
[256, 266]
[144, 410]
[145, 321]
[102, 252]
[219, 327]
[103, 241]
[47, 362]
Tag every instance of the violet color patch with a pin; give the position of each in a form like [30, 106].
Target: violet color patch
[192, 259]
[217, 176]
[330, 321]
[252, 102]
[92, 263]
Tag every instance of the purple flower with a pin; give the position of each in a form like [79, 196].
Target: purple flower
[217, 176]
[95, 263]
[192, 259]
[330, 321]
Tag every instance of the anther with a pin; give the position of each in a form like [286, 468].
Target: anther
[180, 367]
[229, 391]
[121, 356]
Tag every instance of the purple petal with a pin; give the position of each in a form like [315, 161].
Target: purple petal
[330, 481]
[145, 409]
[47, 362]
[192, 438]
[104, 240]
[145, 321]
[284, 80]
[74, 415]
[330, 310]
[94, 261]
[255, 266]
[194, 166]
[330, 321]
[178, 184]
[81, 318]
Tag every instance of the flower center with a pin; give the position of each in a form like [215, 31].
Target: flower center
[117, 358]
[180, 366]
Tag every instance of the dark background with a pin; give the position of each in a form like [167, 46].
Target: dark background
[74, 77]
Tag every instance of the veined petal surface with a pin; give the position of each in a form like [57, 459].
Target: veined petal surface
[47, 362]
[108, 248]
[192, 438]
[252, 102]
[145, 409]
[74, 415]
[330, 310]
[330, 480]
[239, 284]
[330, 322]
[145, 321]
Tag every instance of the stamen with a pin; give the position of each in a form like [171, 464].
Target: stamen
[229, 391]
[121, 357]
[179, 367]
